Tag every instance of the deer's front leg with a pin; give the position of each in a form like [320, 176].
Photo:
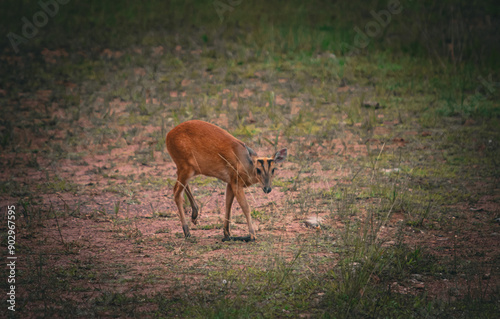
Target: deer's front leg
[227, 216]
[242, 200]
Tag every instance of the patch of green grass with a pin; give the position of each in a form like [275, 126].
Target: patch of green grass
[203, 181]
[248, 131]
[157, 183]
[260, 215]
[210, 226]
[279, 182]
[58, 184]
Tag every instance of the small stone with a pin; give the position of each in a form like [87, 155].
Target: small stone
[418, 277]
[313, 222]
[390, 170]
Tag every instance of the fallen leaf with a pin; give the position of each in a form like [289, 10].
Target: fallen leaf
[250, 118]
[469, 122]
[399, 141]
[158, 50]
[279, 100]
[246, 93]
[140, 71]
[295, 106]
[380, 130]
[343, 89]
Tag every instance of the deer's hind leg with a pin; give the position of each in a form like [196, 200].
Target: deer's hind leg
[183, 175]
[194, 207]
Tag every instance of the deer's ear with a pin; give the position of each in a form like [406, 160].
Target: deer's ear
[251, 152]
[280, 156]
[251, 155]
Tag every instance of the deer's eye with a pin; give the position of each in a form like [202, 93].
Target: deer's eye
[258, 171]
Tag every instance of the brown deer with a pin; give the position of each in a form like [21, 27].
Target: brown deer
[201, 148]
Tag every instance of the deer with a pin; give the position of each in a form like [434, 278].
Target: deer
[202, 148]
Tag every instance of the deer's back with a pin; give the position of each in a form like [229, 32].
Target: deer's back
[207, 149]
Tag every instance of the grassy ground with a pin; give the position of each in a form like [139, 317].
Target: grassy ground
[393, 142]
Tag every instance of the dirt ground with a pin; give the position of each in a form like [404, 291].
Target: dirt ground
[100, 216]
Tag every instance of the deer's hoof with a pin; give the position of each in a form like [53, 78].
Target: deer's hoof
[185, 228]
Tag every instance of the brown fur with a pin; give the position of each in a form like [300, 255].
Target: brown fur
[201, 148]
